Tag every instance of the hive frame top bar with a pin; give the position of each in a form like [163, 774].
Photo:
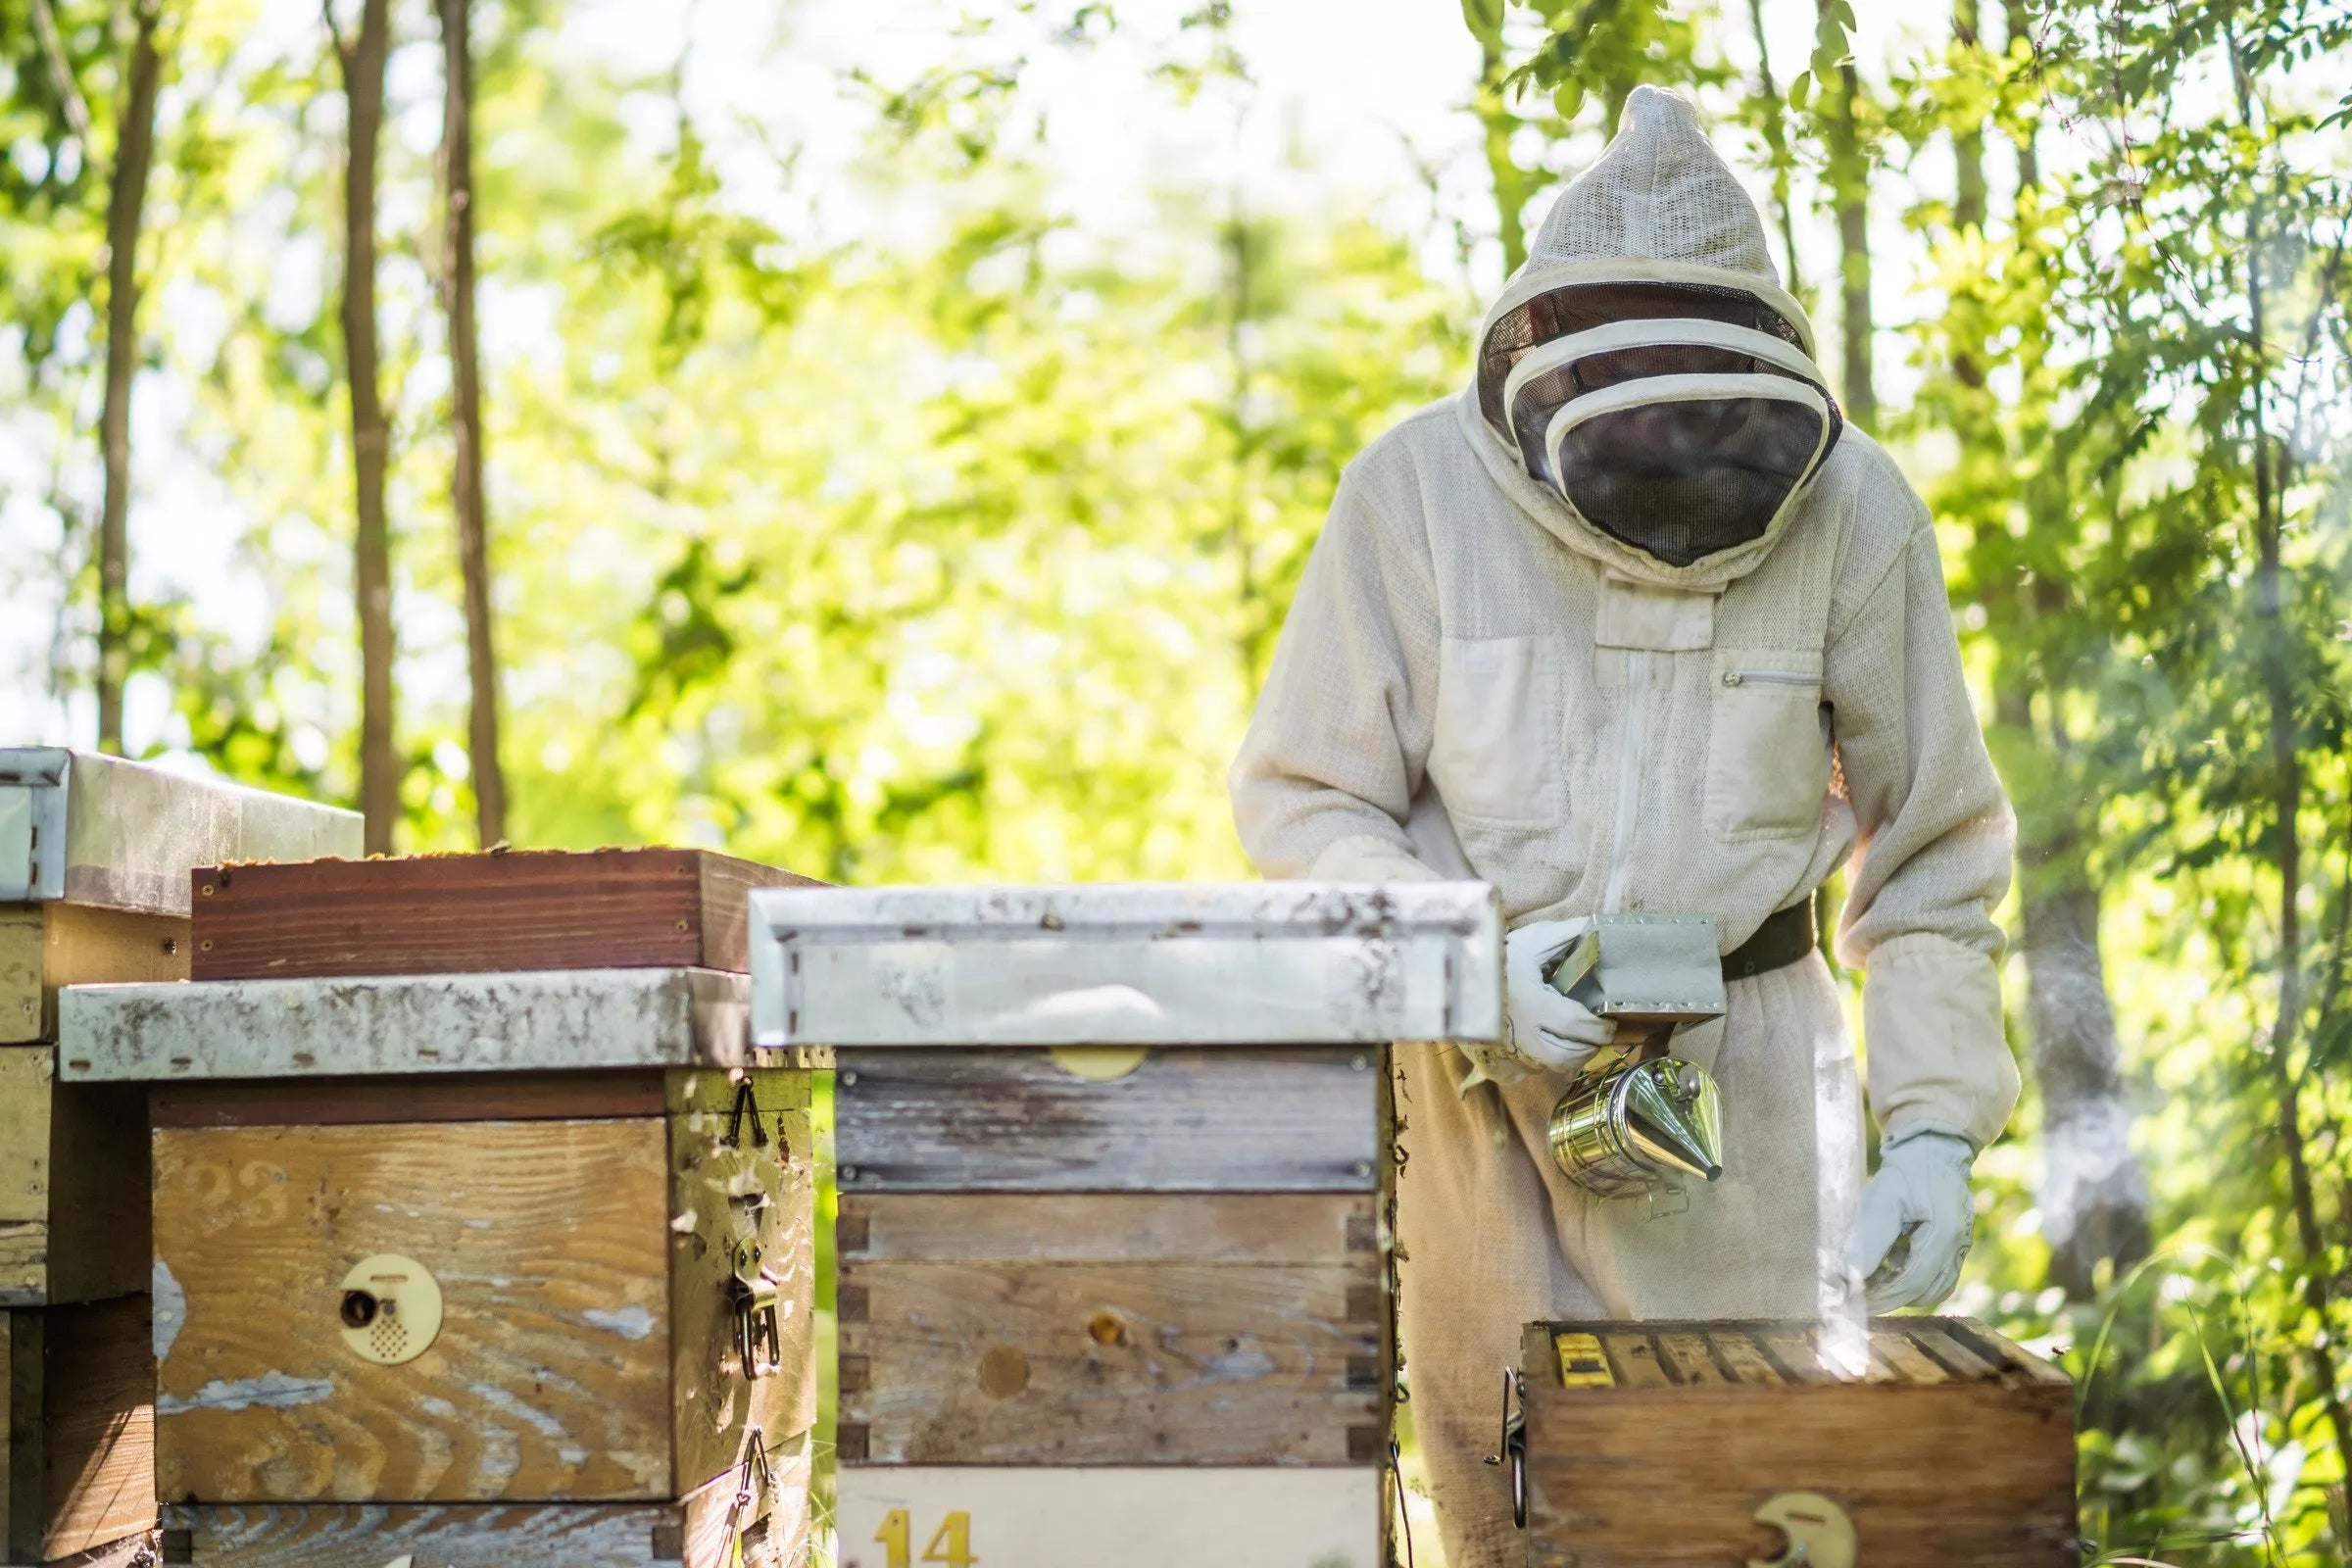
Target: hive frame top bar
[1126, 963]
[81, 827]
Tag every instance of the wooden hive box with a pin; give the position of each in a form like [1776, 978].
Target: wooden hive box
[94, 859]
[1680, 1445]
[1115, 1177]
[474, 913]
[479, 1267]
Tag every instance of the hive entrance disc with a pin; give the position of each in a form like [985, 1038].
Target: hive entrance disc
[389, 1309]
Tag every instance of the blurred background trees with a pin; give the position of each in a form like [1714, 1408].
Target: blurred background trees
[768, 425]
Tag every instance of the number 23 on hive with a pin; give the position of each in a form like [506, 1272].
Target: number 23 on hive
[950, 1544]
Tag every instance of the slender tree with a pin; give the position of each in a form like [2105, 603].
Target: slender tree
[1496, 124]
[362, 57]
[1771, 122]
[125, 210]
[466, 480]
[1848, 180]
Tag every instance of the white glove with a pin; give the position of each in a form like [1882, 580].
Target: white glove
[1920, 1191]
[1543, 1031]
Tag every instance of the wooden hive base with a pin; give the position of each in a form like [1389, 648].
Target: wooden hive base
[902, 1516]
[1655, 1445]
[711, 1528]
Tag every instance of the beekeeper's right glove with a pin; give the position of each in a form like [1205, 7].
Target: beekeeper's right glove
[1543, 1030]
[1919, 1194]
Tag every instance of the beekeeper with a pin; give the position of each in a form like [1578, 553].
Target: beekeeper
[1637, 624]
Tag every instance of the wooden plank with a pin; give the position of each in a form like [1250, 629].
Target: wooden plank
[1910, 1363]
[73, 1193]
[1883, 1452]
[1995, 1345]
[1114, 1363]
[473, 913]
[1796, 1353]
[1634, 1359]
[1214, 1119]
[1950, 1353]
[1686, 1356]
[550, 1376]
[1136, 1518]
[98, 1464]
[1231, 1229]
[27, 1095]
[697, 1531]
[565, 1020]
[78, 1472]
[468, 1097]
[1745, 1358]
[46, 946]
[734, 1176]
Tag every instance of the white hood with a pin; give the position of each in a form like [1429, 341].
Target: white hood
[1659, 205]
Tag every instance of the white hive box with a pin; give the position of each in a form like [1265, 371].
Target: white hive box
[1116, 1169]
[1192, 964]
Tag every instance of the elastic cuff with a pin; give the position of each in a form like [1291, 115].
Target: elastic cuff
[1931, 1025]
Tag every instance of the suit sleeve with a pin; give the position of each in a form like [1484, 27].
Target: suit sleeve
[1326, 776]
[1932, 856]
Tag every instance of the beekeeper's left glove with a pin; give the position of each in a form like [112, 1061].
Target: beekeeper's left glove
[1919, 1193]
[1543, 1030]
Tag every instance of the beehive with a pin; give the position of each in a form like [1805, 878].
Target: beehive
[1115, 1170]
[497, 1265]
[94, 859]
[1702, 1445]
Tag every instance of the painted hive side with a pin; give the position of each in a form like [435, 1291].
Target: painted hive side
[1606, 1402]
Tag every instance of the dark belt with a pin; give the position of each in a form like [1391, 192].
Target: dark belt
[1786, 936]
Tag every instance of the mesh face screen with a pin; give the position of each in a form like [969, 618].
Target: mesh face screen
[1685, 480]
[1582, 307]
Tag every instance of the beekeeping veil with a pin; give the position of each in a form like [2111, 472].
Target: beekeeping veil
[1644, 365]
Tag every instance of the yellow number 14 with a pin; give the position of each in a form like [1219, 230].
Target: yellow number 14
[950, 1544]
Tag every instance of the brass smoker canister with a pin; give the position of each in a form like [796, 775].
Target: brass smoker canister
[1639, 1120]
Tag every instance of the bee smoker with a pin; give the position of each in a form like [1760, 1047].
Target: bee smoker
[1638, 1119]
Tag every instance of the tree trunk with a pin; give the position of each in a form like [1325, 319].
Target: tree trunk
[465, 481]
[362, 61]
[2020, 25]
[1968, 140]
[125, 208]
[1776, 143]
[2092, 1195]
[1849, 196]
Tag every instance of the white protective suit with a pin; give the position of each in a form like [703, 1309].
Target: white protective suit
[1475, 681]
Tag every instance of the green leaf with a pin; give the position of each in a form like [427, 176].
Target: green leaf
[1568, 99]
[1483, 19]
[1800, 91]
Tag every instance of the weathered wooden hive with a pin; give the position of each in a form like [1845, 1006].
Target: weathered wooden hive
[482, 1235]
[94, 859]
[1115, 1172]
[1702, 1445]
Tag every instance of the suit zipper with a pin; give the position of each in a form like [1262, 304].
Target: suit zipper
[1629, 778]
[1769, 678]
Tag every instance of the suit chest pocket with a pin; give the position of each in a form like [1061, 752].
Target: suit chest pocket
[1768, 745]
[1495, 751]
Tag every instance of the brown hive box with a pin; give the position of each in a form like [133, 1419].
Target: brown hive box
[1666, 1446]
[473, 913]
[1180, 1264]
[485, 1264]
